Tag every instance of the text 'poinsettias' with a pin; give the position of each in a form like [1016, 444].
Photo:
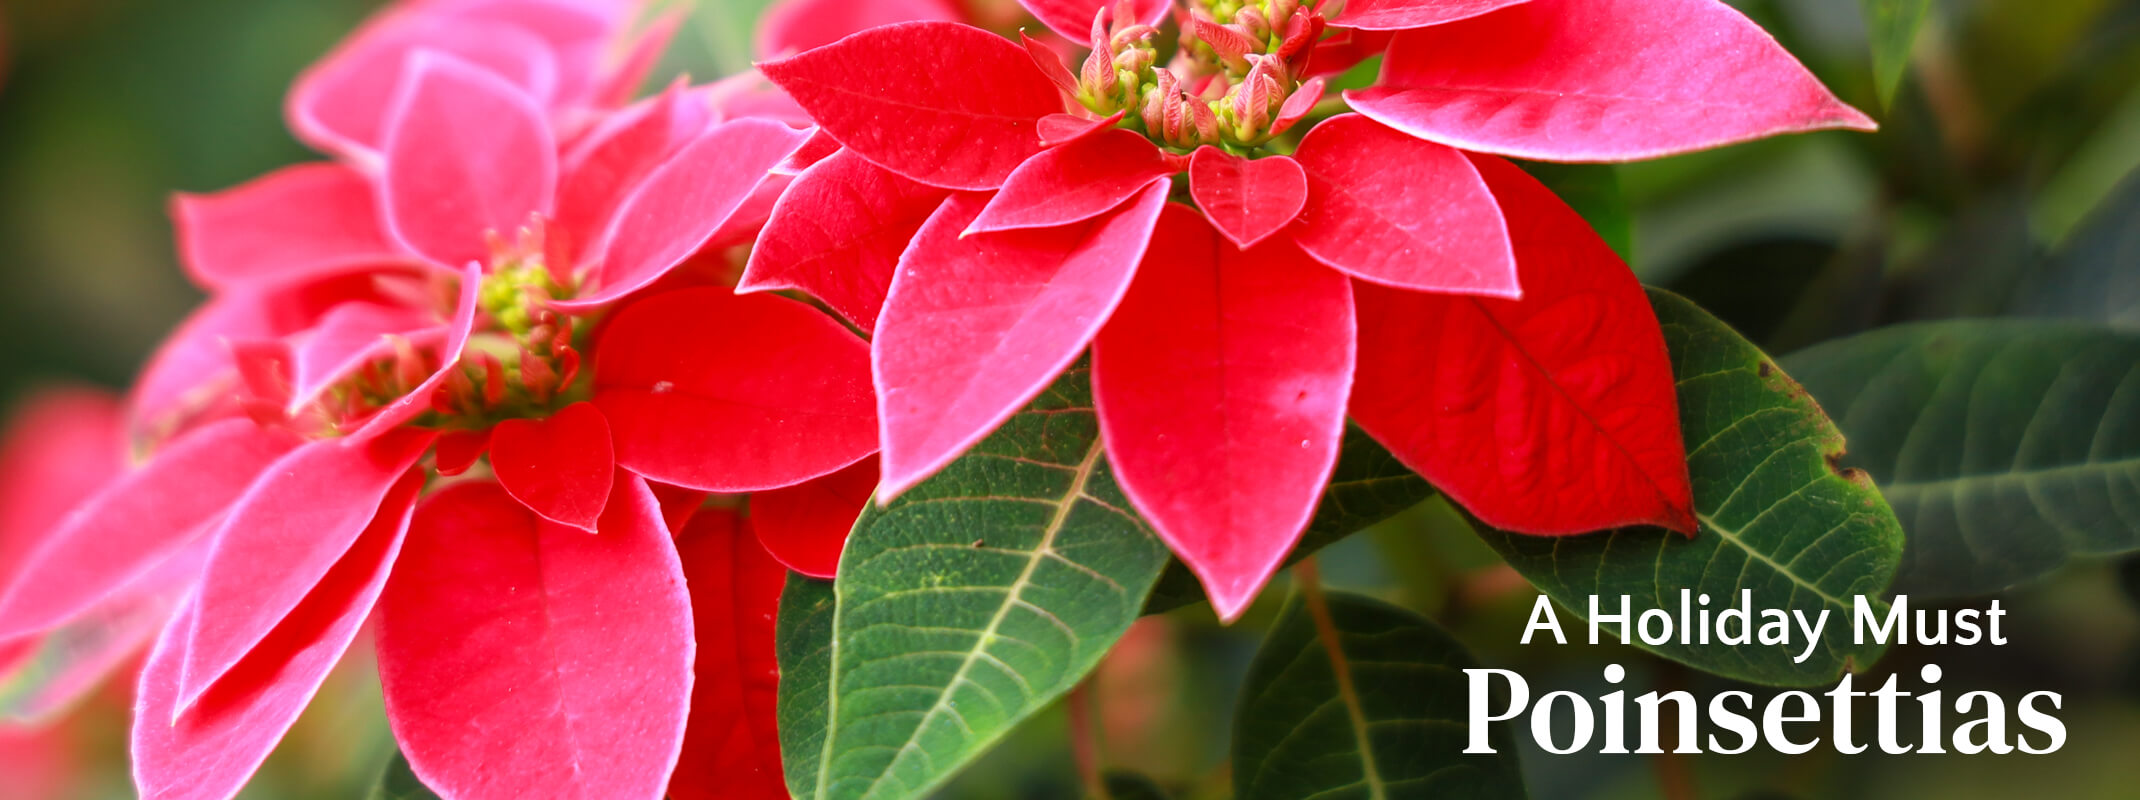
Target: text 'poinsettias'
[477, 372]
[995, 210]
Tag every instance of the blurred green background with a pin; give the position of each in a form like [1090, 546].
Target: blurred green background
[2012, 142]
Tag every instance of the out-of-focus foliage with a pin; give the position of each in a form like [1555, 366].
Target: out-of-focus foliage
[107, 107]
[2005, 447]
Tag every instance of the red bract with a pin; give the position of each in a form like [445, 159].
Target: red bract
[522, 658]
[1044, 219]
[838, 232]
[732, 747]
[1246, 200]
[559, 467]
[1572, 368]
[806, 525]
[1598, 80]
[1264, 335]
[948, 106]
[1073, 18]
[991, 319]
[1379, 15]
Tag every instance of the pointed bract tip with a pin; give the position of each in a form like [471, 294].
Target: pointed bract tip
[751, 284]
[1230, 608]
[1684, 523]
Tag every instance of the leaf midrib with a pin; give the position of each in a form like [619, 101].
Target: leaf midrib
[1040, 552]
[1326, 633]
[1732, 536]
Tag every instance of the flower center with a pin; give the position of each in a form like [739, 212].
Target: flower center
[523, 360]
[1234, 80]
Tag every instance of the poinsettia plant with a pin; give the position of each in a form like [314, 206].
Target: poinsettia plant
[996, 213]
[804, 432]
[1241, 259]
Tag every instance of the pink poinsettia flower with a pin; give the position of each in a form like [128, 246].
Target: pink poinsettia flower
[480, 286]
[993, 212]
[574, 58]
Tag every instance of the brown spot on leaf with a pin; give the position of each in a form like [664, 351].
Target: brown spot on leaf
[1852, 474]
[1767, 369]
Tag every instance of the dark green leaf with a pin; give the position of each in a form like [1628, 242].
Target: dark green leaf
[1593, 190]
[1373, 706]
[970, 603]
[2096, 275]
[803, 642]
[1778, 517]
[1131, 786]
[2006, 447]
[398, 782]
[1892, 25]
[1367, 486]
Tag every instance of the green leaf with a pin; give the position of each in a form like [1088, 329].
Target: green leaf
[1593, 190]
[398, 782]
[2006, 447]
[1367, 486]
[802, 637]
[1778, 517]
[2093, 277]
[970, 603]
[1366, 701]
[1892, 25]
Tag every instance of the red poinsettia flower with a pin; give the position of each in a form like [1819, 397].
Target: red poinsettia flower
[477, 282]
[993, 213]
